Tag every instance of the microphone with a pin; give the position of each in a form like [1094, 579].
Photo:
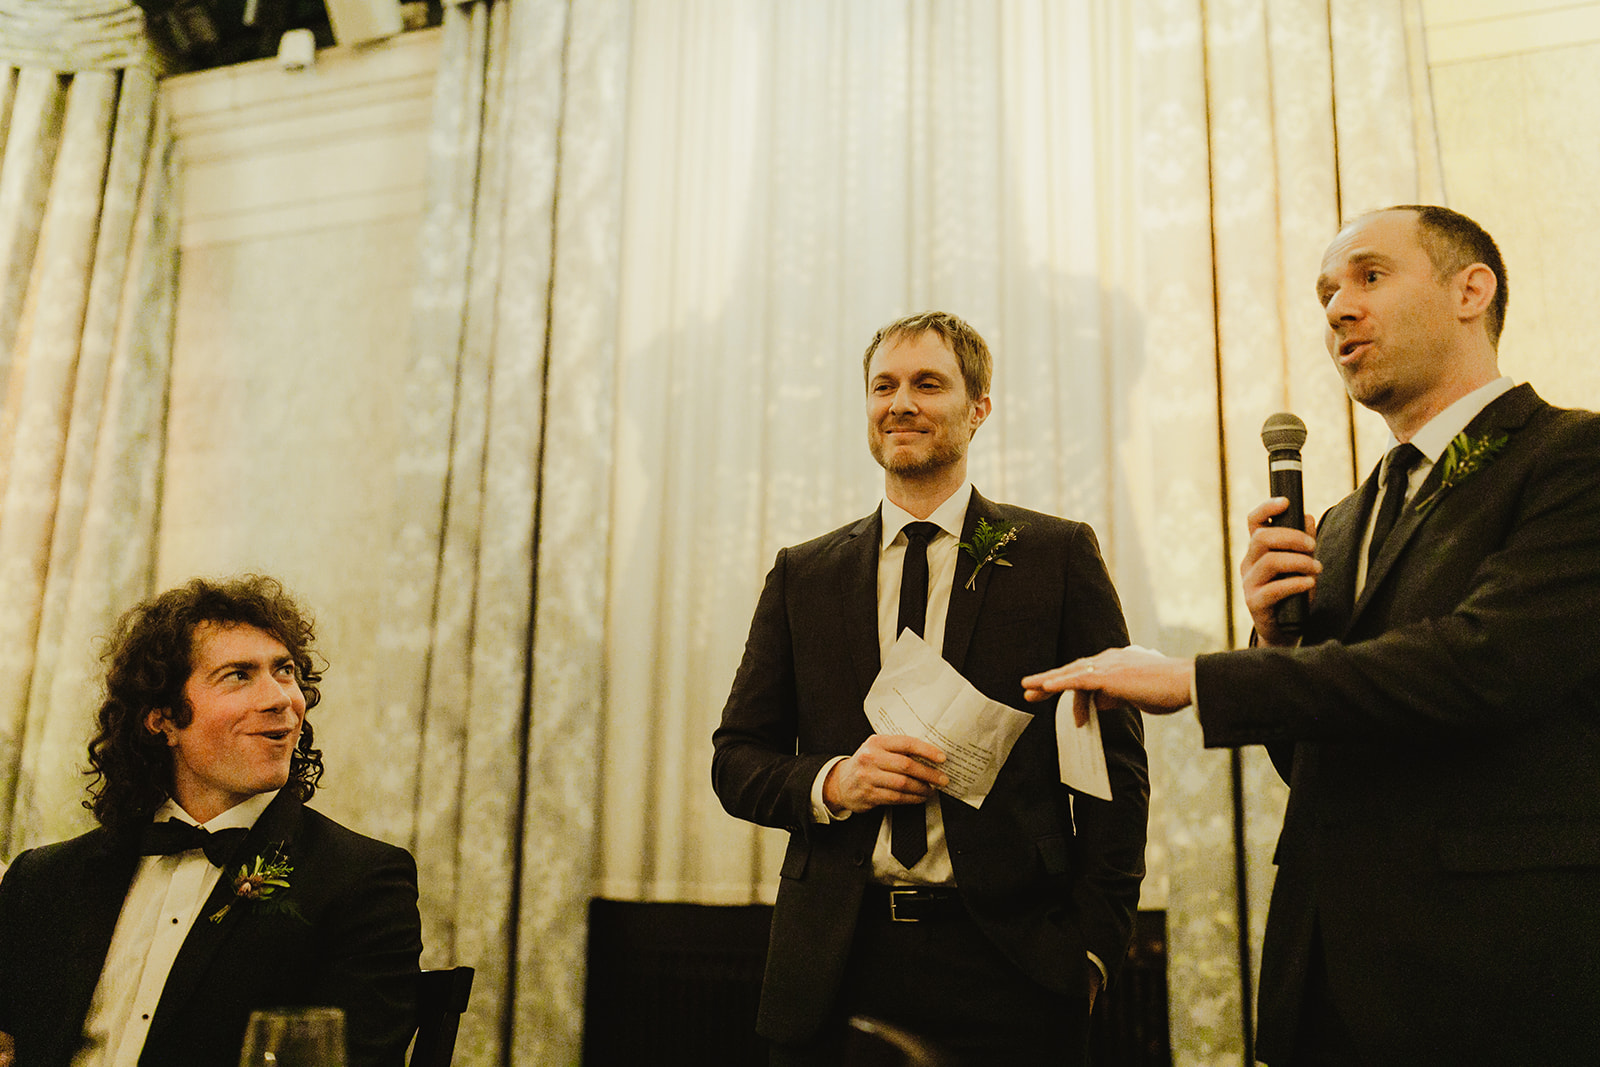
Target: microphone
[1283, 435]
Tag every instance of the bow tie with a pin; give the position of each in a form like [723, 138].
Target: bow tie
[173, 836]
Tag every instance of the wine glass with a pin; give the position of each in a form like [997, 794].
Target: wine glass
[294, 1037]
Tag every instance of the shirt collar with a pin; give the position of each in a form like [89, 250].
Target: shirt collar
[1436, 435]
[948, 516]
[243, 814]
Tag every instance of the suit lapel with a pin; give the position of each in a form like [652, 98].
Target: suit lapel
[961, 617]
[1505, 414]
[279, 823]
[858, 592]
[857, 575]
[1338, 541]
[1405, 525]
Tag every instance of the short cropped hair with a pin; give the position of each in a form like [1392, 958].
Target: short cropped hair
[972, 353]
[1453, 243]
[148, 661]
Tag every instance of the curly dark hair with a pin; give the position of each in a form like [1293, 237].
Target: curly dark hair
[148, 660]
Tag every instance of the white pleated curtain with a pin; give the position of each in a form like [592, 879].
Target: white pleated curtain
[657, 239]
[86, 273]
[1128, 200]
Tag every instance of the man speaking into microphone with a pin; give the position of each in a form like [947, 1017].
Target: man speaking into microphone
[1438, 720]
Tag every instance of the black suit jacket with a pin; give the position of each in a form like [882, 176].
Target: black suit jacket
[355, 945]
[1043, 887]
[1440, 733]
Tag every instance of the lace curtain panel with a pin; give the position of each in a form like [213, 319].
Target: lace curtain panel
[86, 280]
[503, 745]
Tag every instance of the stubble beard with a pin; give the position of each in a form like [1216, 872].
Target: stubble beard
[1361, 392]
[937, 459]
[1366, 384]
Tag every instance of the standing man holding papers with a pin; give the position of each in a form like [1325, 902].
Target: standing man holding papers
[988, 929]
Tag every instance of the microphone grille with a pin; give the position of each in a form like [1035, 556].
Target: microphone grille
[1283, 431]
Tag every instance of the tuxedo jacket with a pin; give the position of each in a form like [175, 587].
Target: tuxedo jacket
[1046, 874]
[354, 944]
[1440, 733]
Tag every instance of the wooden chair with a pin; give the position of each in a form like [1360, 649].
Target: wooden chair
[441, 998]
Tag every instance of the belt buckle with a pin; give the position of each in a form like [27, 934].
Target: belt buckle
[894, 897]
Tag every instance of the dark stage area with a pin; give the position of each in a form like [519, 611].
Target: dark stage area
[678, 984]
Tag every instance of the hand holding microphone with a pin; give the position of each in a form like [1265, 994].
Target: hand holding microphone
[1278, 569]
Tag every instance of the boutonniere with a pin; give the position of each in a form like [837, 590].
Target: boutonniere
[989, 545]
[265, 881]
[1465, 457]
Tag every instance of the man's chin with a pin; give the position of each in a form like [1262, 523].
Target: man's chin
[898, 461]
[1371, 395]
[912, 468]
[277, 779]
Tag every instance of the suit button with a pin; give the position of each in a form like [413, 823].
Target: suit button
[861, 859]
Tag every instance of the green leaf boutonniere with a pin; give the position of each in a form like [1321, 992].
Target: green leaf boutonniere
[1464, 458]
[264, 880]
[989, 545]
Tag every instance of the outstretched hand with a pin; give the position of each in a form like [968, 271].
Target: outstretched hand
[886, 769]
[1148, 680]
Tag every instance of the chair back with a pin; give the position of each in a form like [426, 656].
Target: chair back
[441, 998]
[875, 1043]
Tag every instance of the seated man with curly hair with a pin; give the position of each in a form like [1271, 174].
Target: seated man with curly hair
[209, 889]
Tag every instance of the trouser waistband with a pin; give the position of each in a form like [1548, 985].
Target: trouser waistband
[909, 903]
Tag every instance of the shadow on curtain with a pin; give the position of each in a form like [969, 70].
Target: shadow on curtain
[1130, 201]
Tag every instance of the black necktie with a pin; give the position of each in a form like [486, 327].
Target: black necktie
[174, 836]
[908, 827]
[1396, 479]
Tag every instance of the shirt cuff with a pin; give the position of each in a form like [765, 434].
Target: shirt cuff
[1101, 967]
[819, 807]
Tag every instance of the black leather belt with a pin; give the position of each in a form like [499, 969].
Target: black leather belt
[912, 904]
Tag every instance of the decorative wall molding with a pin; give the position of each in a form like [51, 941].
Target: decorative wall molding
[264, 151]
[1460, 31]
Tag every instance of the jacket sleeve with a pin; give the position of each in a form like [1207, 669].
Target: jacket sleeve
[756, 770]
[373, 938]
[10, 966]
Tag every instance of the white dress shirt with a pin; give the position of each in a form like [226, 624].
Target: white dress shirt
[1432, 440]
[934, 867]
[163, 902]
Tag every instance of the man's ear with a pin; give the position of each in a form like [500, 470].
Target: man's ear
[980, 411]
[1476, 286]
[159, 721]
